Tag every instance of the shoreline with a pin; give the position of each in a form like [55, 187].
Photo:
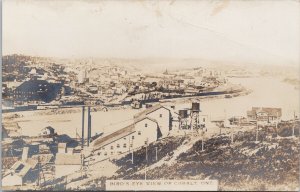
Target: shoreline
[233, 93]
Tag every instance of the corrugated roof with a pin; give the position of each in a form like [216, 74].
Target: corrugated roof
[118, 134]
[114, 136]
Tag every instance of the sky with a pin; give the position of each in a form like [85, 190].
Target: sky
[265, 31]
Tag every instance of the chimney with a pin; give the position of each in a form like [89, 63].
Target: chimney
[89, 126]
[25, 153]
[82, 129]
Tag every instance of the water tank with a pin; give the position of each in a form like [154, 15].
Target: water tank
[183, 114]
[195, 106]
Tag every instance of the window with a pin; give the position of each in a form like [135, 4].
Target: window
[146, 125]
[146, 142]
[203, 119]
[105, 153]
[139, 133]
[111, 147]
[160, 115]
[124, 145]
[98, 153]
[124, 138]
[118, 145]
[112, 153]
[19, 168]
[131, 145]
[119, 152]
[132, 137]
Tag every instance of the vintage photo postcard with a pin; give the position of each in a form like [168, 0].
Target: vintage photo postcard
[140, 95]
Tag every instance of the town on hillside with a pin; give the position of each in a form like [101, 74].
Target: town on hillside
[150, 95]
[61, 132]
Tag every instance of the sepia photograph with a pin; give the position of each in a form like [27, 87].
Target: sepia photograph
[150, 95]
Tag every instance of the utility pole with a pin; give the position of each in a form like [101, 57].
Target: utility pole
[276, 124]
[132, 157]
[256, 130]
[39, 179]
[231, 134]
[156, 153]
[82, 133]
[89, 126]
[147, 153]
[146, 160]
[202, 142]
[294, 124]
[66, 182]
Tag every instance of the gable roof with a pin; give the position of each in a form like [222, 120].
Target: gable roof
[27, 165]
[102, 141]
[271, 111]
[113, 136]
[149, 110]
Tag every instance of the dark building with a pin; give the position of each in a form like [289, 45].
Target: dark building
[37, 90]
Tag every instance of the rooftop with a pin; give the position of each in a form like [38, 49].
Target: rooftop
[68, 159]
[143, 114]
[269, 110]
[102, 141]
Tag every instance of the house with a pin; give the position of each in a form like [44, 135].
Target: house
[136, 104]
[20, 173]
[62, 148]
[44, 149]
[37, 90]
[159, 113]
[47, 131]
[264, 115]
[66, 164]
[140, 133]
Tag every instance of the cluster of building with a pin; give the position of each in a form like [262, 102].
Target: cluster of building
[28, 80]
[150, 125]
[264, 115]
[66, 156]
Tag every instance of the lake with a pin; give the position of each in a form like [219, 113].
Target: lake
[266, 92]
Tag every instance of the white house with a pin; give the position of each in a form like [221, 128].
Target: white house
[62, 148]
[140, 133]
[159, 113]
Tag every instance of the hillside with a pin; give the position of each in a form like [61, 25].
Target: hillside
[270, 164]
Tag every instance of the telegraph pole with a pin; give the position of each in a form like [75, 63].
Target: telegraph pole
[256, 130]
[202, 142]
[39, 179]
[231, 134]
[82, 133]
[276, 124]
[146, 160]
[294, 124]
[156, 153]
[132, 157]
[147, 153]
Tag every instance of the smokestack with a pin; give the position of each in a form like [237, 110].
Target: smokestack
[25, 153]
[89, 126]
[82, 129]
